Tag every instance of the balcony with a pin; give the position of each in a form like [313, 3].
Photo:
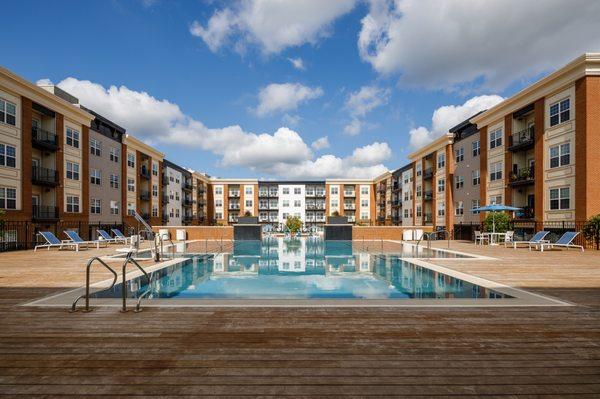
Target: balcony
[522, 140]
[165, 199]
[428, 173]
[428, 195]
[522, 177]
[187, 186]
[396, 219]
[315, 207]
[145, 215]
[381, 219]
[187, 202]
[234, 207]
[145, 195]
[349, 206]
[427, 218]
[396, 203]
[40, 212]
[164, 180]
[188, 218]
[527, 213]
[349, 194]
[381, 189]
[351, 218]
[234, 194]
[201, 190]
[145, 173]
[396, 187]
[44, 139]
[201, 202]
[44, 176]
[164, 217]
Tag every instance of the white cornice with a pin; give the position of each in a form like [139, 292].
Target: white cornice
[22, 87]
[584, 65]
[435, 145]
[139, 145]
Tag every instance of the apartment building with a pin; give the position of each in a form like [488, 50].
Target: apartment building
[44, 154]
[141, 167]
[233, 198]
[383, 199]
[352, 198]
[172, 194]
[540, 148]
[106, 140]
[200, 186]
[467, 175]
[316, 203]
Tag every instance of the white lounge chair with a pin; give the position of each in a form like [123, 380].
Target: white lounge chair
[563, 242]
[74, 237]
[104, 236]
[120, 235]
[538, 238]
[52, 241]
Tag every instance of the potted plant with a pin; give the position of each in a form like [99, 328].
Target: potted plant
[591, 230]
[336, 218]
[293, 224]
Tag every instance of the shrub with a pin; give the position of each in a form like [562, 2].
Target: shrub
[248, 214]
[335, 213]
[499, 219]
[591, 230]
[293, 224]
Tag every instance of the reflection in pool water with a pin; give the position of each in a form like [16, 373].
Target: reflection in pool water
[302, 269]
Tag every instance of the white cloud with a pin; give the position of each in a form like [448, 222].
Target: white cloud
[448, 116]
[44, 82]
[320, 143]
[470, 43]
[291, 120]
[282, 153]
[272, 25]
[284, 97]
[360, 103]
[298, 63]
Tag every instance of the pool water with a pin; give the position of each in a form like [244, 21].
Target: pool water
[303, 269]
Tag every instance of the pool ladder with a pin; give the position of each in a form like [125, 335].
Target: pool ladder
[129, 259]
[427, 237]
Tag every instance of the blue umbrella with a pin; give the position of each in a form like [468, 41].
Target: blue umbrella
[495, 208]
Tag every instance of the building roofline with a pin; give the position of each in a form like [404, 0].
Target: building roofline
[441, 141]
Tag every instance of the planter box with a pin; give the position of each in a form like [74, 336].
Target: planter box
[248, 220]
[337, 220]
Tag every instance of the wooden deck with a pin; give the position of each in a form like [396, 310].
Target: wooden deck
[46, 352]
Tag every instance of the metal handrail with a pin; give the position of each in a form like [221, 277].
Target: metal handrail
[87, 284]
[162, 239]
[427, 236]
[128, 260]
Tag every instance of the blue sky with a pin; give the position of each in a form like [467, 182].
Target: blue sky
[198, 68]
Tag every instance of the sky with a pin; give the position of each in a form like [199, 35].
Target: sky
[293, 89]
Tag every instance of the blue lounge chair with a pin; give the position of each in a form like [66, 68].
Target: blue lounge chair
[538, 238]
[120, 235]
[104, 236]
[74, 237]
[563, 242]
[52, 241]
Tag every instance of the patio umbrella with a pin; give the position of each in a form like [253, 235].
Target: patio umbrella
[495, 208]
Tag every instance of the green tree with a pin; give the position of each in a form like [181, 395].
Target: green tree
[591, 230]
[500, 220]
[293, 224]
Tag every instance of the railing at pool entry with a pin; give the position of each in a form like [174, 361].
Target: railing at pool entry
[124, 285]
[87, 284]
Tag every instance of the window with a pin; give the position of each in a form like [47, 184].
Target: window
[460, 154]
[419, 211]
[114, 154]
[334, 190]
[154, 168]
[114, 181]
[248, 190]
[441, 161]
[218, 190]
[72, 137]
[72, 170]
[130, 209]
[131, 160]
[364, 215]
[496, 200]
[95, 177]
[364, 190]
[441, 209]
[406, 213]
[155, 211]
[8, 112]
[285, 190]
[248, 203]
[130, 185]
[364, 203]
[297, 203]
[155, 190]
[459, 182]
[334, 203]
[218, 203]
[496, 171]
[419, 191]
[95, 147]
[560, 155]
[418, 169]
[72, 204]
[8, 198]
[560, 112]
[286, 203]
[475, 205]
[114, 208]
[476, 148]
[560, 198]
[459, 209]
[218, 215]
[496, 138]
[8, 156]
[476, 178]
[297, 190]
[441, 185]
[95, 206]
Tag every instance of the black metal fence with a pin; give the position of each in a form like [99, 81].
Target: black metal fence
[524, 230]
[16, 235]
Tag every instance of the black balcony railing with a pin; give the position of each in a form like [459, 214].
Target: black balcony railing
[187, 186]
[40, 212]
[522, 177]
[427, 218]
[349, 194]
[187, 202]
[396, 203]
[165, 199]
[234, 194]
[522, 140]
[234, 207]
[164, 217]
[526, 213]
[188, 218]
[165, 180]
[44, 176]
[428, 173]
[145, 173]
[41, 138]
[349, 206]
[427, 195]
[145, 195]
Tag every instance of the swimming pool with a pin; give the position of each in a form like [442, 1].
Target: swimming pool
[291, 269]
